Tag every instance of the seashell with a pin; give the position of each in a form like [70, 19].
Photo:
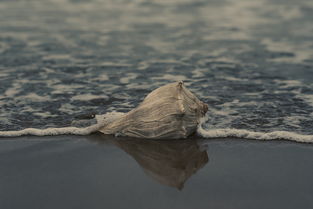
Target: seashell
[170, 112]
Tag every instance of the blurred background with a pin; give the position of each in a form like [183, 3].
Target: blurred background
[251, 61]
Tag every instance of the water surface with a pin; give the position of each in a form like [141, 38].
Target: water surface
[64, 60]
[98, 172]
[251, 61]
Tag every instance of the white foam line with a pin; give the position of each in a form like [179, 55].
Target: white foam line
[52, 131]
[101, 121]
[242, 133]
[213, 133]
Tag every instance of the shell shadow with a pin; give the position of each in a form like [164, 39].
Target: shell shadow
[169, 162]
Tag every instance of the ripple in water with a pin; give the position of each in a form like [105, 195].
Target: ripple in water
[57, 65]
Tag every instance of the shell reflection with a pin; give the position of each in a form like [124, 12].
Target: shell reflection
[170, 163]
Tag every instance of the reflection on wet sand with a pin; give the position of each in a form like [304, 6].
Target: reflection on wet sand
[169, 162]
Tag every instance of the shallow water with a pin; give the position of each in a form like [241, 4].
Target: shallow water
[99, 172]
[62, 61]
[251, 61]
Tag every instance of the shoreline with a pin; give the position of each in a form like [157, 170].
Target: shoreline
[189, 173]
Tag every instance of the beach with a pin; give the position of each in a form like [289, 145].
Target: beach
[65, 63]
[96, 172]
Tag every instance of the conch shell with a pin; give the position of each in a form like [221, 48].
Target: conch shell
[168, 112]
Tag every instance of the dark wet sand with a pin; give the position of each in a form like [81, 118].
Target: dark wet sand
[96, 172]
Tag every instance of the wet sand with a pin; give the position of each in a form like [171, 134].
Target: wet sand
[102, 172]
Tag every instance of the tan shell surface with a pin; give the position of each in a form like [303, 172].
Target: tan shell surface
[170, 111]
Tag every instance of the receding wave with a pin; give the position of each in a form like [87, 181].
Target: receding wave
[246, 134]
[203, 132]
[101, 121]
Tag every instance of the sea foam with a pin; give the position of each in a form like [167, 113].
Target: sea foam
[201, 131]
[101, 121]
[246, 134]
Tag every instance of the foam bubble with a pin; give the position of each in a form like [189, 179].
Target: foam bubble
[87, 97]
[242, 133]
[101, 121]
[206, 133]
